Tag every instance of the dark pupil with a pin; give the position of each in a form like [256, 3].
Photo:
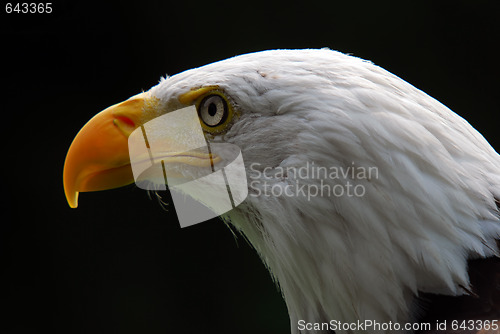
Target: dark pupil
[212, 109]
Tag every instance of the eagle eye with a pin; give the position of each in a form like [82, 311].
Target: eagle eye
[213, 110]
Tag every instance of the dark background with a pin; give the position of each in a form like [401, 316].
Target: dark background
[121, 264]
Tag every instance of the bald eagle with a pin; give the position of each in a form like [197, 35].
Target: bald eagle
[415, 226]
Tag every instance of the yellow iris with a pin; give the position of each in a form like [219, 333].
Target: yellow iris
[197, 96]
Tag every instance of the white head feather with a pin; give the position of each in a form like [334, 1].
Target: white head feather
[430, 207]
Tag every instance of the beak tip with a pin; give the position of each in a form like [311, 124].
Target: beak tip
[72, 199]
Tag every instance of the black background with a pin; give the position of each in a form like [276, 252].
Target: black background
[121, 264]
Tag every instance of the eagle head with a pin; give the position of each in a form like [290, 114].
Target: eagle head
[363, 191]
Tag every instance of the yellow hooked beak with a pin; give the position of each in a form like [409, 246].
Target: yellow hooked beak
[98, 158]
